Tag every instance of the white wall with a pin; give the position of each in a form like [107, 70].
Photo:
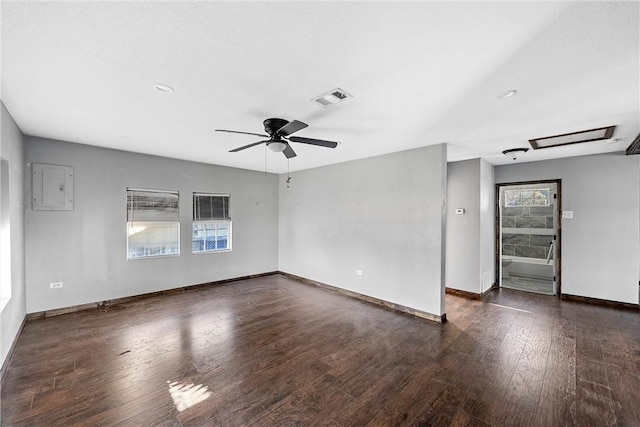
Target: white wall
[601, 244]
[470, 258]
[382, 215]
[86, 248]
[487, 226]
[11, 152]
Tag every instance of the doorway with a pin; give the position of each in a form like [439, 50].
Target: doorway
[528, 236]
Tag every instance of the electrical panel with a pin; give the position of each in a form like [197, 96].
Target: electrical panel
[52, 187]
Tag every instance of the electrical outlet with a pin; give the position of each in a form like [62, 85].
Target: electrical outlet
[55, 285]
[358, 272]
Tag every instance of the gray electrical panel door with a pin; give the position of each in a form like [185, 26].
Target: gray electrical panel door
[52, 187]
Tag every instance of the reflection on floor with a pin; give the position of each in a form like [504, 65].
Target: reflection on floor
[528, 284]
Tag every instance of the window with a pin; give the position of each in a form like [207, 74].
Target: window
[538, 197]
[153, 223]
[211, 223]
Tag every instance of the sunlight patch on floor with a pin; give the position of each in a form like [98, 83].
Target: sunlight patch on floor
[186, 395]
[510, 308]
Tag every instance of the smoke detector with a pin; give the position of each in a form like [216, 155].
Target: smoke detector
[333, 97]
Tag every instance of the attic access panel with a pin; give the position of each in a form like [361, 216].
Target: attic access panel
[52, 187]
[573, 138]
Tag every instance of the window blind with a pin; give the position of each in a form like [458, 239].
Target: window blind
[209, 207]
[150, 205]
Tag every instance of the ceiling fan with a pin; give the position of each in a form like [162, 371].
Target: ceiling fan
[279, 131]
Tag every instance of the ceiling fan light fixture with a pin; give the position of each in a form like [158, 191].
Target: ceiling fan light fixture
[514, 153]
[277, 146]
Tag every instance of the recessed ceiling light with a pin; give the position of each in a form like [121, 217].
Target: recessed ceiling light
[507, 94]
[573, 138]
[163, 88]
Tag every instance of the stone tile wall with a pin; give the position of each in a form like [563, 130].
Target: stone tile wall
[526, 245]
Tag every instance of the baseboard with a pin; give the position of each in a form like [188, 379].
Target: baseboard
[601, 302]
[108, 303]
[488, 291]
[376, 301]
[470, 295]
[12, 349]
[463, 294]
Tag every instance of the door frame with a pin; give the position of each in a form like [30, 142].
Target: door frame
[558, 240]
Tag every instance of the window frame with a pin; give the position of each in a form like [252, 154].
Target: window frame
[196, 219]
[130, 224]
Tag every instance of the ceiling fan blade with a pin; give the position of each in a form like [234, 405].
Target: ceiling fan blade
[319, 142]
[288, 152]
[291, 127]
[247, 146]
[243, 133]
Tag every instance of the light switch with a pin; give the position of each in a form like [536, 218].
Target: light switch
[567, 214]
[459, 211]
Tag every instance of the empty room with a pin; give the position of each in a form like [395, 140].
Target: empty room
[320, 213]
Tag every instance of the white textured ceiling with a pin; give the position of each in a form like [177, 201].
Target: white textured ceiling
[421, 73]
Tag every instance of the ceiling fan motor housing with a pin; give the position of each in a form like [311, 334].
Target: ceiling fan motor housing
[271, 126]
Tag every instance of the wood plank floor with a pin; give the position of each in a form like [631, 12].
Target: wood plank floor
[273, 351]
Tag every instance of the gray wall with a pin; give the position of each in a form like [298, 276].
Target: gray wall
[382, 215]
[463, 231]
[12, 218]
[470, 249]
[86, 248]
[601, 244]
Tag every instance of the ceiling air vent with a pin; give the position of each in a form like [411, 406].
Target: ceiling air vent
[333, 97]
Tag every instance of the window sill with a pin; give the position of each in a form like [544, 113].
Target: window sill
[211, 252]
[154, 257]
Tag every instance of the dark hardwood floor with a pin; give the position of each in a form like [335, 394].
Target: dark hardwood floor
[273, 351]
